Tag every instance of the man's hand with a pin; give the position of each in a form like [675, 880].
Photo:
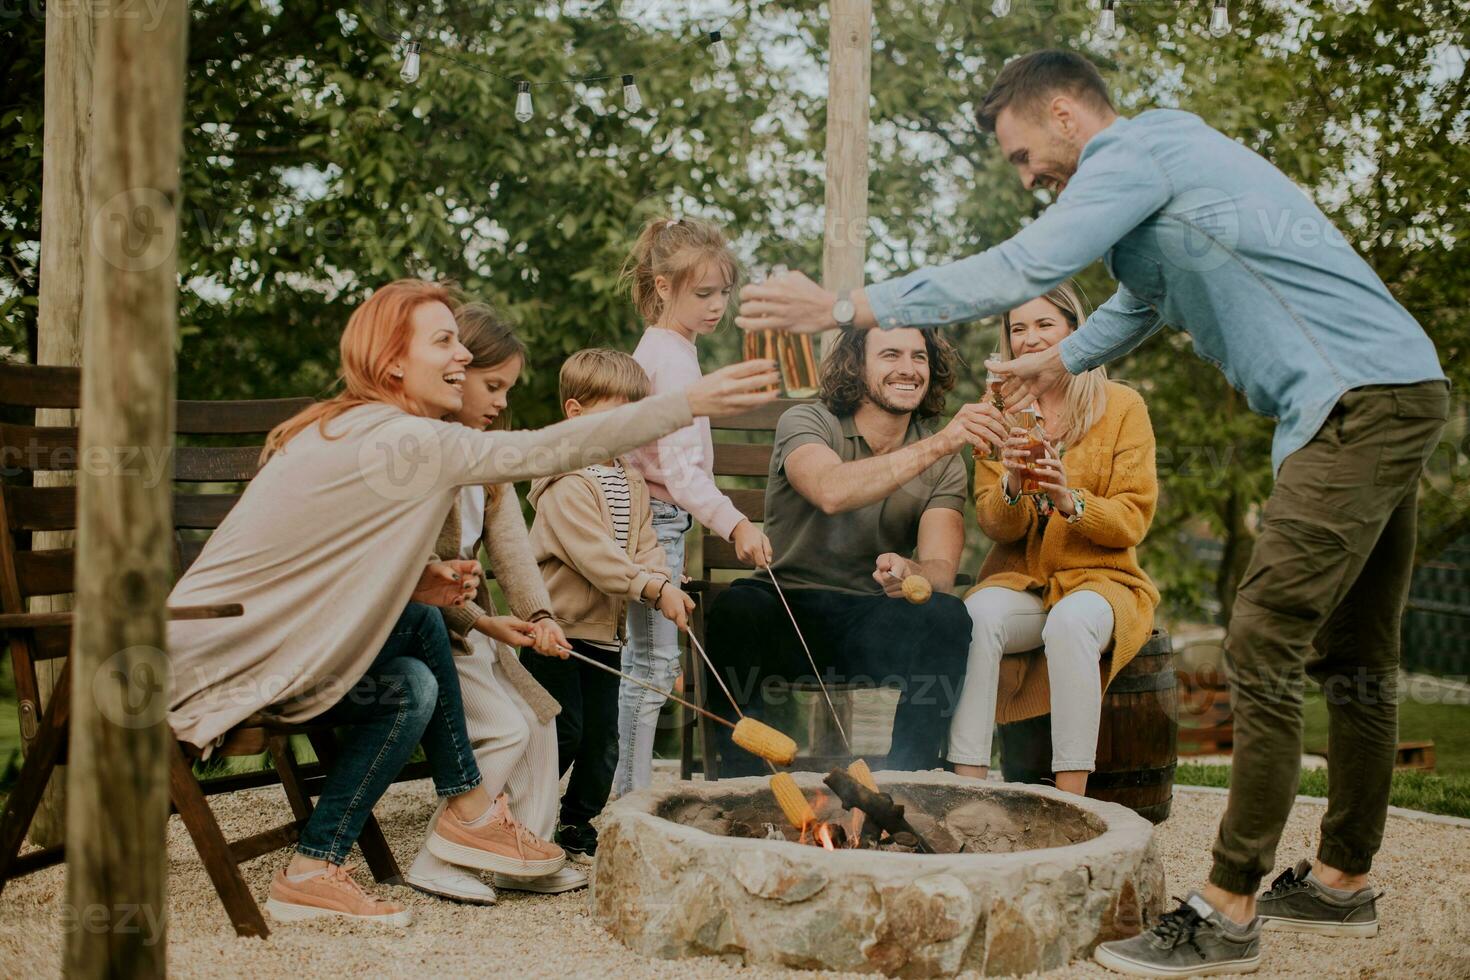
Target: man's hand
[788, 301]
[1028, 376]
[751, 545]
[889, 565]
[734, 389]
[676, 606]
[448, 583]
[979, 424]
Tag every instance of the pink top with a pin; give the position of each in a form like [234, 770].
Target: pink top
[679, 468]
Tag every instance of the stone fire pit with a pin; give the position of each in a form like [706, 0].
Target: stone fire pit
[1036, 878]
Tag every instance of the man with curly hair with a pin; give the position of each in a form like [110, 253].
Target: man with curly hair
[861, 494]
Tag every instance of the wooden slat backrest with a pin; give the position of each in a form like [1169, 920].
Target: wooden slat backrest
[743, 459]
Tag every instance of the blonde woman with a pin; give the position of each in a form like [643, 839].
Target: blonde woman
[1063, 573]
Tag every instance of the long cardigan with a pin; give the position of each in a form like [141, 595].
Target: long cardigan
[508, 549]
[327, 542]
[1113, 466]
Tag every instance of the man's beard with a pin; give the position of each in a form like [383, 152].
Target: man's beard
[880, 400]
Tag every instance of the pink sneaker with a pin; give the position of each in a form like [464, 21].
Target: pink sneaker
[496, 843]
[333, 892]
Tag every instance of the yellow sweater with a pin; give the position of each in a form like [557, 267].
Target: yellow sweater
[1113, 466]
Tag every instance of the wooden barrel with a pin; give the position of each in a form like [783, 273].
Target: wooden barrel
[1137, 739]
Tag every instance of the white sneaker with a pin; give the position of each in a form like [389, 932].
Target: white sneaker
[441, 879]
[568, 879]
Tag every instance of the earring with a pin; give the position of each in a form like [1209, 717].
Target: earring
[398, 375]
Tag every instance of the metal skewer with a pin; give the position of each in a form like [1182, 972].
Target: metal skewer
[643, 684]
[710, 663]
[811, 660]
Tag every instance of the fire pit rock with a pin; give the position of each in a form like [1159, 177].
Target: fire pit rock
[1038, 879]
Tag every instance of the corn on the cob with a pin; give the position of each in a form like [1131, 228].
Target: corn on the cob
[916, 589]
[859, 770]
[763, 740]
[792, 800]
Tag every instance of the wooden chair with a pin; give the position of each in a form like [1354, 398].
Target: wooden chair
[200, 504]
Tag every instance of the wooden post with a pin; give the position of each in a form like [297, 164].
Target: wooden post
[117, 785]
[845, 242]
[66, 139]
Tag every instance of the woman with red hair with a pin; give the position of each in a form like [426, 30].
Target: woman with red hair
[326, 550]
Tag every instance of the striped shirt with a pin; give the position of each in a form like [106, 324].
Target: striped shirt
[614, 483]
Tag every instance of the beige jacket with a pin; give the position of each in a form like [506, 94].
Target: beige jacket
[591, 580]
[508, 548]
[327, 542]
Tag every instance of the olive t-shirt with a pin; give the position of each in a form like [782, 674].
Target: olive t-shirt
[837, 551]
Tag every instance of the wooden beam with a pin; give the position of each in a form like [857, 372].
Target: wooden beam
[66, 136]
[121, 746]
[845, 238]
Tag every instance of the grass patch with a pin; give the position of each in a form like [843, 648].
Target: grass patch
[1446, 725]
[1430, 792]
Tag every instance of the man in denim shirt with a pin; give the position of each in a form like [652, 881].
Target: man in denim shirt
[1206, 236]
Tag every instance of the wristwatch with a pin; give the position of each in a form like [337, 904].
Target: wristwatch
[844, 310]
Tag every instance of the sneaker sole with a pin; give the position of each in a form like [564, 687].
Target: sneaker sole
[291, 912]
[1122, 964]
[474, 857]
[507, 883]
[1362, 930]
[463, 899]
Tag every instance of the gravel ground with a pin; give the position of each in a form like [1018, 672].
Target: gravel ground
[1425, 868]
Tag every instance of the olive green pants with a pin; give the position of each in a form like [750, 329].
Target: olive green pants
[1323, 596]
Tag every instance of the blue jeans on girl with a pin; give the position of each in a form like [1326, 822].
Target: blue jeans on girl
[651, 655]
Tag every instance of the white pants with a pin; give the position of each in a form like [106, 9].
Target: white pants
[1074, 634]
[516, 753]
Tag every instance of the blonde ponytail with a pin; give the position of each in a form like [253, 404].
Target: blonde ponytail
[677, 249]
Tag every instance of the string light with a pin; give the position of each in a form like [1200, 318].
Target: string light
[632, 101]
[719, 50]
[1000, 7]
[523, 102]
[1107, 22]
[410, 72]
[1220, 19]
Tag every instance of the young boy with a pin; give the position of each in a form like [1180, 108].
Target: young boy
[594, 542]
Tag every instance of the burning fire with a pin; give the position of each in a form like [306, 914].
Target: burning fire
[824, 836]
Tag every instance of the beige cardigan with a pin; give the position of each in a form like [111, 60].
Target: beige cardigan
[326, 544]
[591, 579]
[508, 548]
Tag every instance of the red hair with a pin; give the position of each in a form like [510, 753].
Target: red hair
[378, 333]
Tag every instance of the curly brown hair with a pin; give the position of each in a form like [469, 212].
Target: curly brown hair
[844, 388]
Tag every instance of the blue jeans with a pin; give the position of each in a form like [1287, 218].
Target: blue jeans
[652, 655]
[409, 693]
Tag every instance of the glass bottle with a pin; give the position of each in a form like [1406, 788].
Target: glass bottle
[1035, 447]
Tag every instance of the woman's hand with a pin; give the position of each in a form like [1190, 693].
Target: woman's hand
[734, 389]
[676, 605]
[1051, 476]
[1028, 376]
[508, 630]
[751, 545]
[549, 638]
[448, 583]
[890, 565]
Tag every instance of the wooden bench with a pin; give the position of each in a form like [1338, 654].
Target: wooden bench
[208, 481]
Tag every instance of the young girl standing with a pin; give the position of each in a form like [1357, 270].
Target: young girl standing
[681, 274]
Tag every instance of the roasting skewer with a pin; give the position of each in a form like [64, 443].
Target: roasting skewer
[811, 660]
[721, 681]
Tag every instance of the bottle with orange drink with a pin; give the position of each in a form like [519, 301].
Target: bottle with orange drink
[1035, 447]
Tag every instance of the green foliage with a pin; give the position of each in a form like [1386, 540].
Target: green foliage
[1427, 792]
[311, 173]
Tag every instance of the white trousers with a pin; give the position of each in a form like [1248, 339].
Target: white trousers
[1074, 634]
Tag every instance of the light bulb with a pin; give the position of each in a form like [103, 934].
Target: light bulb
[1220, 21]
[1107, 23]
[523, 102]
[632, 101]
[1000, 7]
[410, 72]
[719, 50]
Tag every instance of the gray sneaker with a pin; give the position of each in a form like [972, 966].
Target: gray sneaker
[1296, 902]
[1191, 941]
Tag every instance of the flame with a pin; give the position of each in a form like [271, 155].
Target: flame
[824, 834]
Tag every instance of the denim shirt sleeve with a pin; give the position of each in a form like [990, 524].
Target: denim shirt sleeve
[1117, 185]
[1114, 329]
